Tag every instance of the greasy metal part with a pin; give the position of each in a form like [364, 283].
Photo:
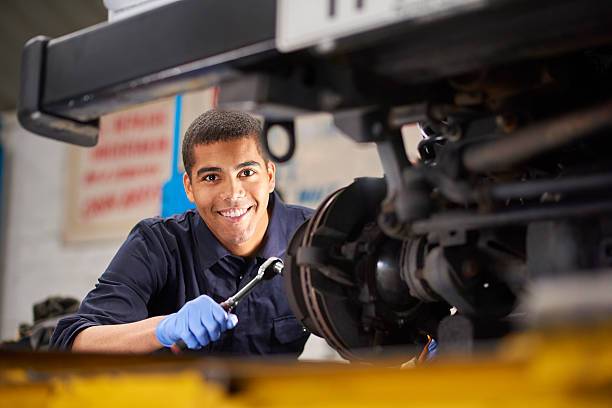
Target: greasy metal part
[380, 292]
[320, 258]
[563, 247]
[390, 287]
[503, 252]
[363, 124]
[346, 288]
[407, 197]
[426, 148]
[466, 277]
[276, 99]
[496, 85]
[394, 160]
[292, 279]
[537, 139]
[438, 275]
[457, 45]
[563, 185]
[465, 220]
[414, 252]
[351, 288]
[319, 318]
[411, 202]
[407, 114]
[478, 273]
[459, 191]
[407, 192]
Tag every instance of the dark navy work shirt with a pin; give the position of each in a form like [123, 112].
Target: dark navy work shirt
[165, 262]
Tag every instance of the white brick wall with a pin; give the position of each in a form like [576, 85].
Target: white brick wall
[35, 262]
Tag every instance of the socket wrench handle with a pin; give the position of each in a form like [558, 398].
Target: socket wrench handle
[272, 267]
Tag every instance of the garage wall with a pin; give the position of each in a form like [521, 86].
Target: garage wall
[35, 262]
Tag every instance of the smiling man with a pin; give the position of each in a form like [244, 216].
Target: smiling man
[166, 281]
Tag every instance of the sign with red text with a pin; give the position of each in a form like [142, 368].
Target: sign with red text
[118, 182]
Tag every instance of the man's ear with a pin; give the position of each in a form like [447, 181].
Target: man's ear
[271, 176]
[188, 188]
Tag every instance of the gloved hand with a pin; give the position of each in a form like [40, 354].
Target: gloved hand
[199, 322]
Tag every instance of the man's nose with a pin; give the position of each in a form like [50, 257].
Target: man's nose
[233, 189]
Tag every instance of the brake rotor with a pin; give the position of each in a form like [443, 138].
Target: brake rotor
[325, 284]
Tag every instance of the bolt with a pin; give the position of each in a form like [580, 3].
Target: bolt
[469, 268]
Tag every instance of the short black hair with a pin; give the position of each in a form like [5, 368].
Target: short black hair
[218, 125]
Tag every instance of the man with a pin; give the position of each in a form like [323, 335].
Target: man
[166, 281]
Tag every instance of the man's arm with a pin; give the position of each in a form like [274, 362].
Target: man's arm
[114, 316]
[197, 323]
[137, 337]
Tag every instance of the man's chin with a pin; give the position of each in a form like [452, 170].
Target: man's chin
[238, 239]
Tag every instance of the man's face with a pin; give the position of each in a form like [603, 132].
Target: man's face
[230, 183]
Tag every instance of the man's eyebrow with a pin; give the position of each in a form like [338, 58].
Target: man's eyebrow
[208, 169]
[250, 163]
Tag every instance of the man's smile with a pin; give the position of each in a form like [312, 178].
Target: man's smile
[235, 214]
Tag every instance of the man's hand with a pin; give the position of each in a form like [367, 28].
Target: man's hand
[199, 322]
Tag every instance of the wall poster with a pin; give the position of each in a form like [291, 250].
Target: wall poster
[118, 182]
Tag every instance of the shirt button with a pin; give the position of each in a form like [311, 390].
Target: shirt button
[240, 277]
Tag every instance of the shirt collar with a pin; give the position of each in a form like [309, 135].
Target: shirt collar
[274, 242]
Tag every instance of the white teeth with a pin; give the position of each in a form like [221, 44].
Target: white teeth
[233, 212]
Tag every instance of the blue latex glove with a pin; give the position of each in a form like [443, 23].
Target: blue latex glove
[199, 322]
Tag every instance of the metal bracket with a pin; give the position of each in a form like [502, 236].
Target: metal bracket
[29, 113]
[289, 127]
[275, 98]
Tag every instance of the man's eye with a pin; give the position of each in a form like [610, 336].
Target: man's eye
[210, 177]
[247, 172]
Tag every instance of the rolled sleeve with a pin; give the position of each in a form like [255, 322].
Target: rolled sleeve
[123, 291]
